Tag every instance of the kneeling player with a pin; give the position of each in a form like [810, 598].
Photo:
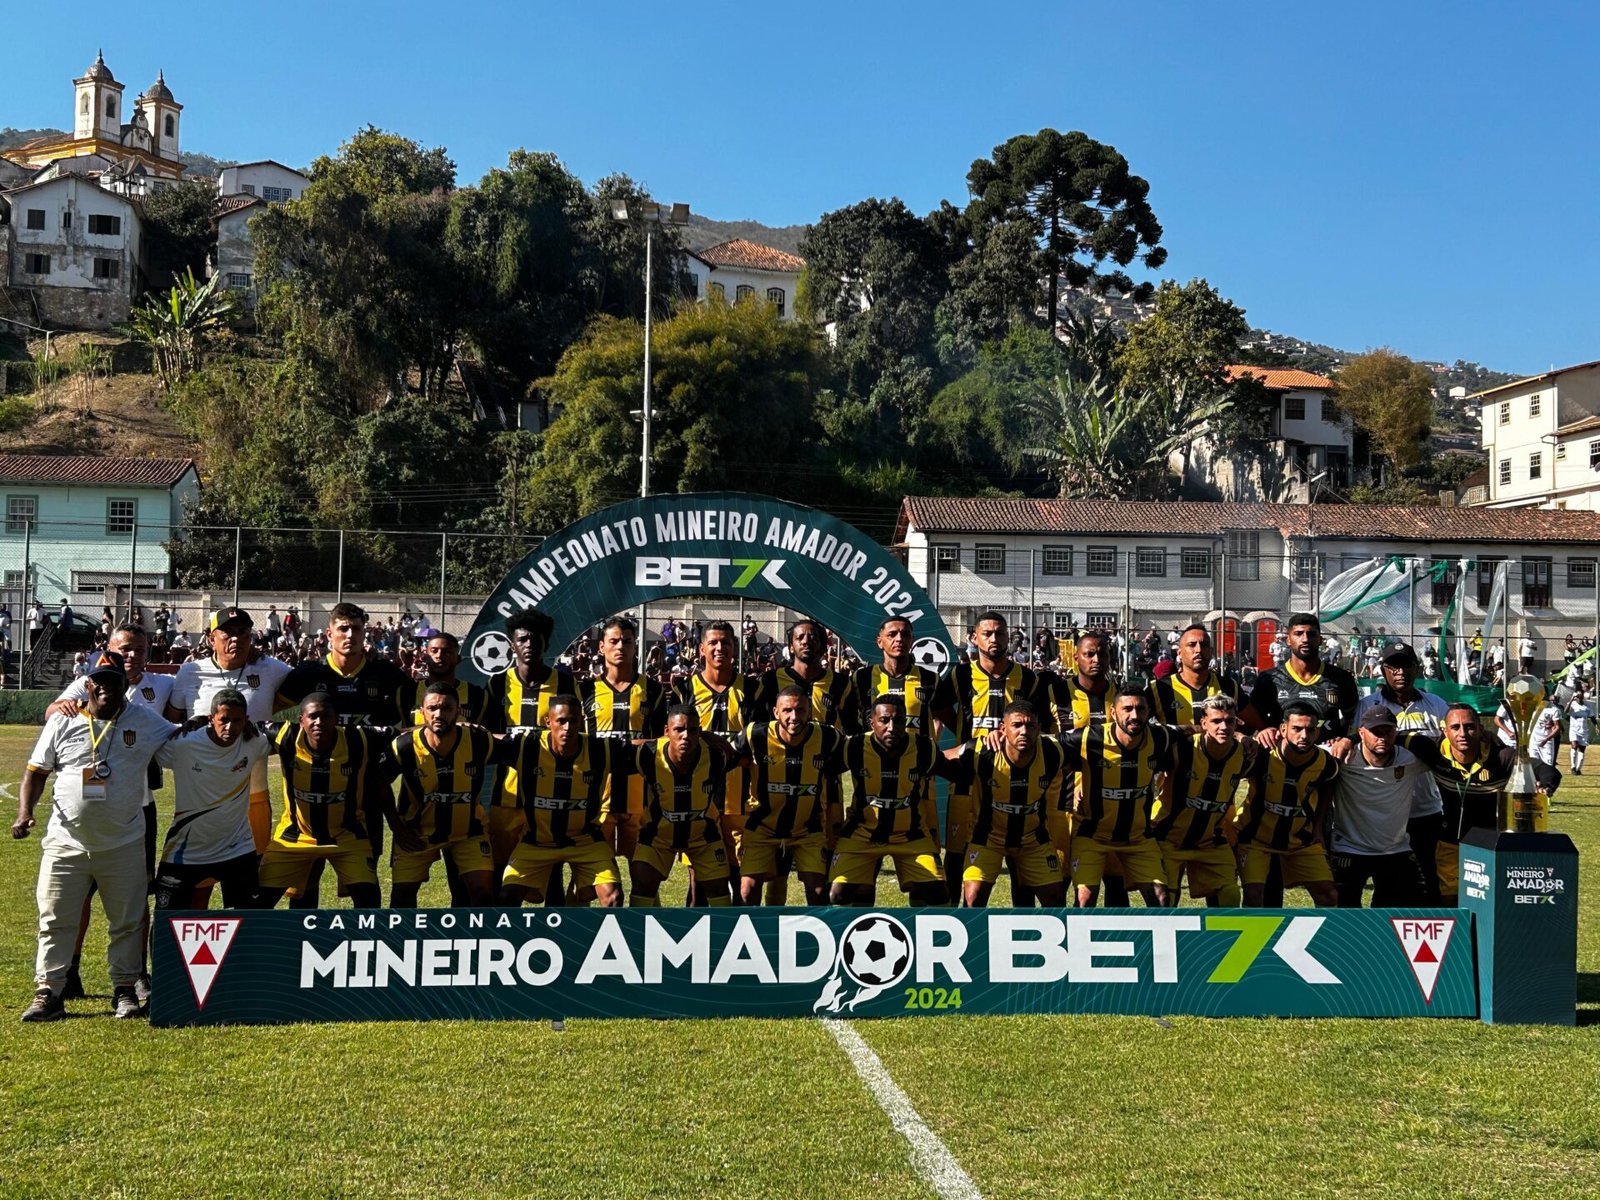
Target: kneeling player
[1191, 818]
[1281, 816]
[891, 811]
[685, 783]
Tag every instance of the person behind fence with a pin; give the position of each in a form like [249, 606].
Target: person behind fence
[95, 838]
[1372, 806]
[1279, 817]
[1190, 820]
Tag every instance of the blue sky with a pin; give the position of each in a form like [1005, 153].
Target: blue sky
[1406, 174]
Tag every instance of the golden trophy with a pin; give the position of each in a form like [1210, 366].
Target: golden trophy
[1522, 805]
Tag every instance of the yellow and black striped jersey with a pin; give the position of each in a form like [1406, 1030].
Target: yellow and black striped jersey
[518, 707]
[442, 792]
[682, 808]
[832, 697]
[473, 699]
[1011, 800]
[1191, 812]
[790, 786]
[1076, 707]
[562, 796]
[1174, 702]
[634, 711]
[1117, 783]
[326, 795]
[981, 698]
[891, 802]
[723, 711]
[924, 691]
[1284, 805]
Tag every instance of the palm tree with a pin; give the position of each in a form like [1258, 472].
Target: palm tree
[177, 326]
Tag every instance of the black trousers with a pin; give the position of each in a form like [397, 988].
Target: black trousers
[1396, 879]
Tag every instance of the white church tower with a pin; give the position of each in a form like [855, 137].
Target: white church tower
[163, 114]
[98, 103]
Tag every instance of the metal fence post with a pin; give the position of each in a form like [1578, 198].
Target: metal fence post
[27, 598]
[338, 591]
[444, 549]
[1033, 597]
[238, 541]
[1127, 588]
[1222, 611]
[133, 558]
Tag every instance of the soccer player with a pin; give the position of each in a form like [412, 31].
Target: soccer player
[1281, 813]
[332, 776]
[1176, 699]
[211, 837]
[441, 655]
[100, 756]
[685, 780]
[1117, 766]
[1190, 822]
[442, 768]
[1013, 786]
[891, 810]
[929, 700]
[1372, 805]
[1331, 691]
[559, 776]
[1579, 714]
[1080, 699]
[794, 761]
[984, 688]
[622, 706]
[199, 681]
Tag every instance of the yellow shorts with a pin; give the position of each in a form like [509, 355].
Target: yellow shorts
[530, 867]
[1300, 867]
[958, 823]
[856, 862]
[758, 854]
[1092, 861]
[1032, 866]
[1447, 863]
[505, 828]
[287, 865]
[411, 866]
[708, 862]
[1059, 826]
[620, 831]
[1210, 869]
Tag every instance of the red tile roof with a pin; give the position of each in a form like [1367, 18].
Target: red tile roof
[751, 256]
[68, 470]
[233, 203]
[1368, 522]
[1280, 379]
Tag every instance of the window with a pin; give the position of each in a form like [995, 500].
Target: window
[21, 513]
[1533, 405]
[1488, 564]
[107, 268]
[720, 292]
[249, 189]
[111, 106]
[947, 557]
[1151, 564]
[1561, 452]
[990, 559]
[1446, 572]
[171, 125]
[1536, 583]
[694, 282]
[1243, 548]
[66, 219]
[240, 279]
[15, 581]
[36, 264]
[1057, 560]
[1102, 560]
[36, 218]
[101, 224]
[276, 195]
[1536, 465]
[1100, 620]
[120, 515]
[775, 298]
[83, 105]
[1061, 622]
[1505, 412]
[1305, 567]
[1505, 471]
[1196, 563]
[743, 292]
[1594, 456]
[1294, 408]
[1580, 574]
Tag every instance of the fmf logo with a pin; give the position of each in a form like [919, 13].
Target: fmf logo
[708, 572]
[203, 945]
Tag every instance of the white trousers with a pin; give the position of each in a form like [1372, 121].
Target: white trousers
[64, 879]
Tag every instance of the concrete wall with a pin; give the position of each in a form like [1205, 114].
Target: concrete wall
[70, 295]
[236, 253]
[732, 278]
[252, 178]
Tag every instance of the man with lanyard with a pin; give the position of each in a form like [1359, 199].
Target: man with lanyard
[1190, 821]
[928, 700]
[230, 667]
[441, 655]
[984, 688]
[622, 706]
[1281, 813]
[1373, 802]
[100, 755]
[685, 780]
[1015, 775]
[210, 837]
[891, 810]
[519, 700]
[443, 766]
[143, 690]
[1414, 711]
[1176, 699]
[725, 700]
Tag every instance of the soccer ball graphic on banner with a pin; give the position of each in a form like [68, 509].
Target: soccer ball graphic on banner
[930, 652]
[491, 653]
[877, 951]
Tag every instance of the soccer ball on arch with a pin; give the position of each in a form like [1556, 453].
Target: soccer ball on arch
[491, 653]
[877, 950]
[930, 652]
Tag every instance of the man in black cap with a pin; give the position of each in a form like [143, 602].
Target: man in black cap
[1372, 805]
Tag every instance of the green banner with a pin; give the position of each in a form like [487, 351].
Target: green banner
[706, 544]
[464, 964]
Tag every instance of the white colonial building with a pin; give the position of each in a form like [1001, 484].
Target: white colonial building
[1541, 436]
[271, 181]
[1311, 450]
[242, 192]
[71, 251]
[740, 270]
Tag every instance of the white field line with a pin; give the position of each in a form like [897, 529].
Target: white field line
[930, 1156]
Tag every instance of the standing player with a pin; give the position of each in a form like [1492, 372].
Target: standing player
[442, 768]
[685, 780]
[891, 811]
[441, 655]
[622, 706]
[1190, 824]
[1329, 690]
[1579, 714]
[1176, 699]
[929, 701]
[1372, 804]
[1282, 812]
[1081, 699]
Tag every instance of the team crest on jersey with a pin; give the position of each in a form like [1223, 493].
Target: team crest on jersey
[372, 691]
[129, 736]
[921, 694]
[816, 761]
[149, 693]
[252, 681]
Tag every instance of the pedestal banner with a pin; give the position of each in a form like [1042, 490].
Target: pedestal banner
[706, 544]
[1522, 892]
[467, 964]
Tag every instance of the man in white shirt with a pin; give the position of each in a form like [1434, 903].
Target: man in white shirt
[1542, 746]
[1372, 806]
[95, 836]
[1527, 652]
[1579, 714]
[210, 834]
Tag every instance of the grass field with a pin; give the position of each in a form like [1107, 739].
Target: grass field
[1030, 1106]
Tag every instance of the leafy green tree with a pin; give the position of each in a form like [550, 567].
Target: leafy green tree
[1390, 398]
[179, 230]
[1191, 336]
[177, 326]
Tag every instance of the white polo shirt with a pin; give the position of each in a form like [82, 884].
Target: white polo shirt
[1372, 804]
[199, 680]
[1424, 714]
[89, 814]
[211, 788]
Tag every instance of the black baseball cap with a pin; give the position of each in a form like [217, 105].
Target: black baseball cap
[227, 616]
[1400, 652]
[107, 662]
[1378, 717]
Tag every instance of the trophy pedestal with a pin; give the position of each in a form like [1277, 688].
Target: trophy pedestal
[1522, 891]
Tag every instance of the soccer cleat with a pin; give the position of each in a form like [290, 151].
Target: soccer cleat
[73, 988]
[141, 987]
[45, 1007]
[125, 1004]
